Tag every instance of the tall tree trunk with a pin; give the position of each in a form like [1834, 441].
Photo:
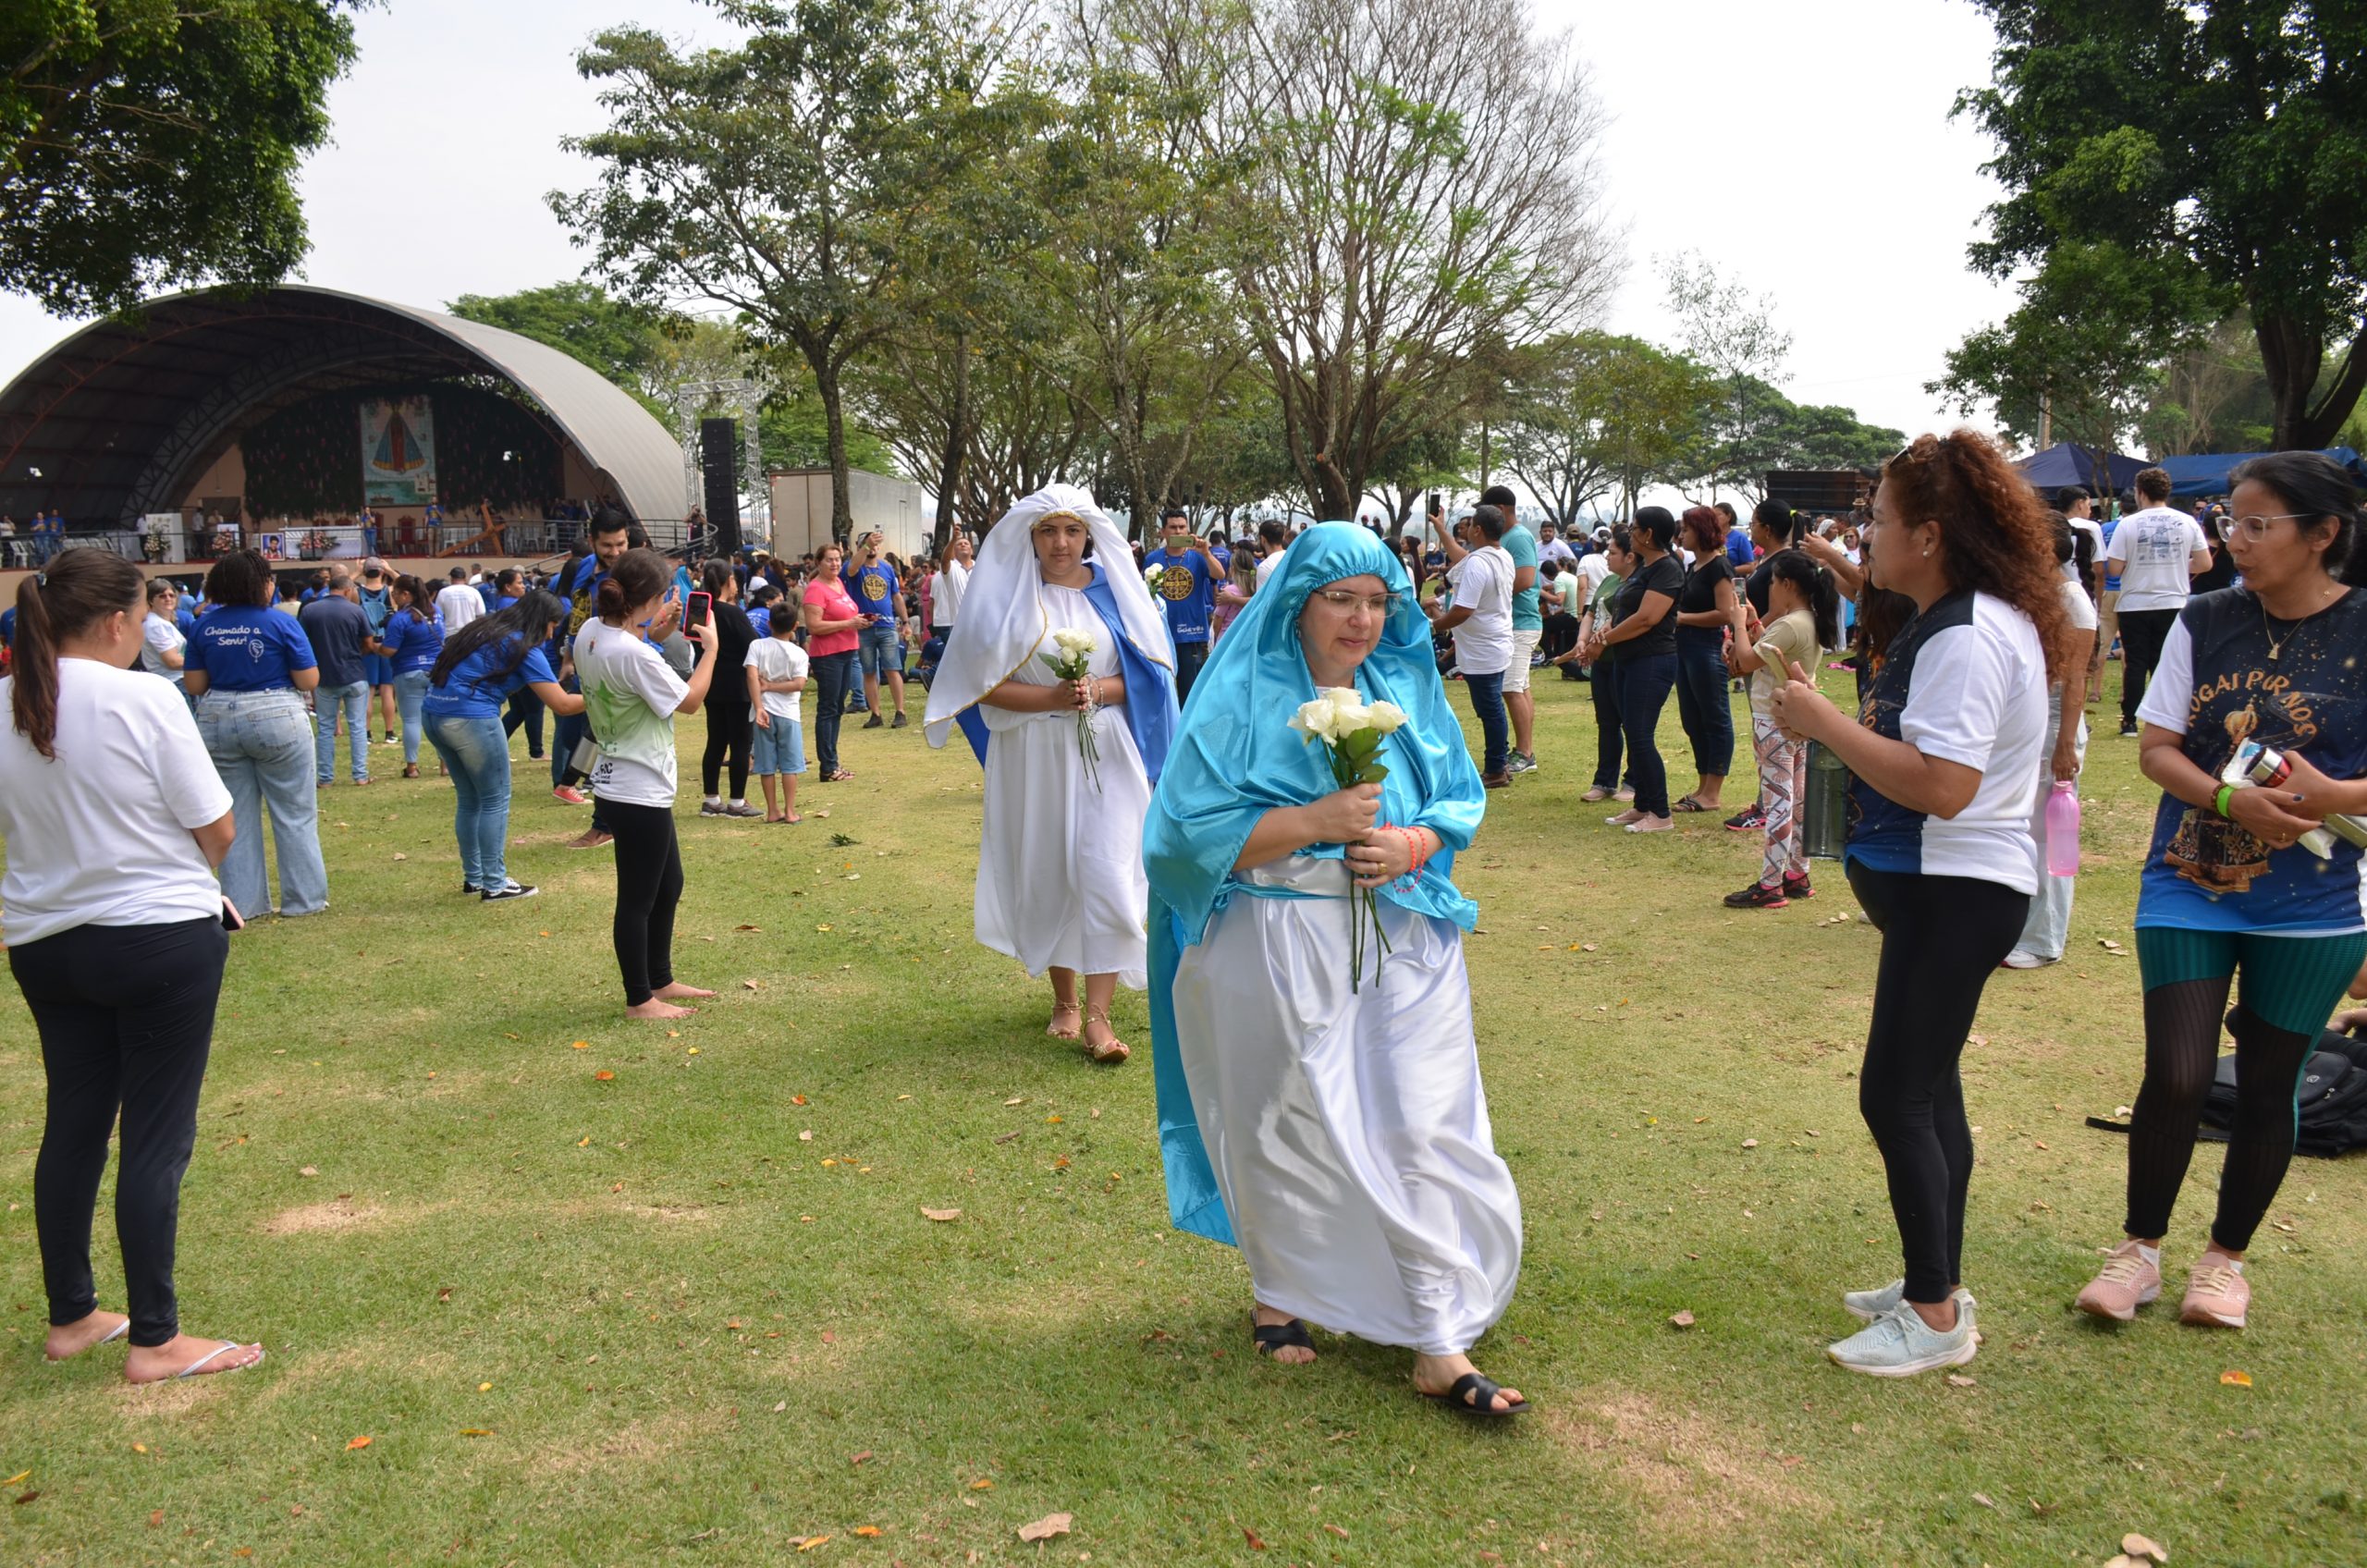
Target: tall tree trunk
[957, 447]
[834, 424]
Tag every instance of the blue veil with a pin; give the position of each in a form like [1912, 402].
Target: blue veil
[1235, 758]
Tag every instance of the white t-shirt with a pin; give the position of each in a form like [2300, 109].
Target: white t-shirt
[101, 835]
[1593, 568]
[2095, 532]
[160, 636]
[2152, 548]
[2081, 608]
[1266, 566]
[1555, 550]
[1483, 583]
[778, 659]
[459, 605]
[629, 696]
[944, 595]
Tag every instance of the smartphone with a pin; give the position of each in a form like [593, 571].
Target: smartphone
[700, 606]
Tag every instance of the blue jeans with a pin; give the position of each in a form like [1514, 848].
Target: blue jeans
[411, 692]
[354, 703]
[262, 745]
[476, 754]
[1644, 686]
[1488, 701]
[832, 673]
[1701, 701]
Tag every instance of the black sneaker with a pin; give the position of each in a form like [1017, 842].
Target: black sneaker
[507, 890]
[2128, 729]
[899, 724]
[467, 888]
[1797, 888]
[1751, 817]
[875, 722]
[1757, 896]
[710, 808]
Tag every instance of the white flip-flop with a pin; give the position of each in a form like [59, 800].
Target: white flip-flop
[120, 1330]
[197, 1365]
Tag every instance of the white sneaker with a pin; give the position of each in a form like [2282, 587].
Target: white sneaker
[1900, 1344]
[1868, 1305]
[2019, 959]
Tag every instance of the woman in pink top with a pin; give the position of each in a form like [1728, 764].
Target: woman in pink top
[831, 634]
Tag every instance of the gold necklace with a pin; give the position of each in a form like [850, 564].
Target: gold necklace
[2267, 625]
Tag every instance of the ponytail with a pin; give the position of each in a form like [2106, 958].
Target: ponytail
[638, 578]
[80, 588]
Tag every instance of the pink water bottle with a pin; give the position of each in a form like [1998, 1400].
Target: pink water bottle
[2063, 828]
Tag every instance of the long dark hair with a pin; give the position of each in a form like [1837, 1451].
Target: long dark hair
[78, 590]
[1816, 586]
[421, 606]
[1656, 525]
[2315, 486]
[525, 623]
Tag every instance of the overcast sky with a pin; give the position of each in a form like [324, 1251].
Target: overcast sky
[1806, 150]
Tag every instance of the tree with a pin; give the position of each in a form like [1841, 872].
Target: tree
[624, 342]
[2210, 153]
[779, 178]
[1594, 415]
[1417, 182]
[1733, 339]
[148, 143]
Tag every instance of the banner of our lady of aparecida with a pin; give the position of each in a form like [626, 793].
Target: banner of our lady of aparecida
[398, 452]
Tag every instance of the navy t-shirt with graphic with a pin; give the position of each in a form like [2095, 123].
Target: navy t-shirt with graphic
[1188, 593]
[2223, 679]
[873, 589]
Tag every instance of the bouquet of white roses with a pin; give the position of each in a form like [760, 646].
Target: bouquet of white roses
[1075, 662]
[1351, 731]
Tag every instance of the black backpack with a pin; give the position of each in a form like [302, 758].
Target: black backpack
[2332, 1098]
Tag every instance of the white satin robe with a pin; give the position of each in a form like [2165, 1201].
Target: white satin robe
[1061, 879]
[1348, 1130]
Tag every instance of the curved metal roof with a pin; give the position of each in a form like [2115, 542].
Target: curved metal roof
[123, 416]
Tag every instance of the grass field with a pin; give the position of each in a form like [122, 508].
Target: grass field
[694, 1313]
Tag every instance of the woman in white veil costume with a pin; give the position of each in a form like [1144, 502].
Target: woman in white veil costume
[1061, 880]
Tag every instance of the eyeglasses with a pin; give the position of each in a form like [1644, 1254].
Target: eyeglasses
[1341, 599]
[2256, 525]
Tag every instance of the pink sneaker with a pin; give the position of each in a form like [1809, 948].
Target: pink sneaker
[572, 797]
[2217, 1294]
[2125, 1283]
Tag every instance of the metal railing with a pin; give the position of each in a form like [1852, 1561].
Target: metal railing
[532, 538]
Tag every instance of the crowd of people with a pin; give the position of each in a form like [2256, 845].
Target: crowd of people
[1156, 816]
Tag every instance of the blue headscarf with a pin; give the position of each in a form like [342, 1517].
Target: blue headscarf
[1236, 758]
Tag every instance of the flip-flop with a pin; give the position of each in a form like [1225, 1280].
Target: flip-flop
[1267, 1337]
[195, 1368]
[1473, 1394]
[120, 1330]
[1688, 802]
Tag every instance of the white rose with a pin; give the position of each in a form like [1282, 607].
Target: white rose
[1387, 717]
[1072, 640]
[1314, 720]
[1155, 576]
[1348, 710]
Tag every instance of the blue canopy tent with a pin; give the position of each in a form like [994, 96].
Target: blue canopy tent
[2065, 464]
[2205, 473]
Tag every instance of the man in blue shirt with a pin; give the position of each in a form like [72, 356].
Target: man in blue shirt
[1186, 588]
[871, 583]
[333, 623]
[611, 533]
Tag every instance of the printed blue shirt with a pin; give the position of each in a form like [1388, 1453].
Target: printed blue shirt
[249, 648]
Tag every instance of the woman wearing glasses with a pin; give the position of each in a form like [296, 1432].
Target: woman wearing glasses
[1323, 1112]
[2228, 884]
[1060, 853]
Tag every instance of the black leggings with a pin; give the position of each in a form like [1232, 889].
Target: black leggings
[649, 883]
[727, 729]
[527, 709]
[1941, 939]
[126, 1017]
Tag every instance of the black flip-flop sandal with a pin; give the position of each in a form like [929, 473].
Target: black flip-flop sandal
[1271, 1337]
[1473, 1394]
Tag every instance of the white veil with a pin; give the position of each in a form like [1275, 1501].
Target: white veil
[1002, 624]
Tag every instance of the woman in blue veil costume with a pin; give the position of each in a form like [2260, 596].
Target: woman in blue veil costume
[1334, 1128]
[1061, 882]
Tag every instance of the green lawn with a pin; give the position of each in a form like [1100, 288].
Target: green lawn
[649, 1319]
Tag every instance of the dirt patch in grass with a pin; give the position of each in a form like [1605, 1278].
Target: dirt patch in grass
[1696, 1473]
[337, 1214]
[630, 1447]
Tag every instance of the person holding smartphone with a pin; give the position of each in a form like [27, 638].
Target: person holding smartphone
[632, 695]
[114, 819]
[871, 583]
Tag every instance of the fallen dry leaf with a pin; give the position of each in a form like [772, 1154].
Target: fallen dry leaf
[19, 1479]
[758, 985]
[806, 1136]
[1750, 1143]
[581, 1045]
[747, 928]
[2136, 1544]
[476, 1431]
[1043, 1529]
[866, 1531]
[1958, 1380]
[982, 1486]
[940, 1215]
[1682, 1320]
[357, 1442]
[1255, 1544]
[26, 1498]
[603, 1076]
[1337, 1531]
[154, 1519]
[810, 1542]
[310, 1170]
[797, 1099]
[860, 1458]
[2237, 1379]
[1983, 1498]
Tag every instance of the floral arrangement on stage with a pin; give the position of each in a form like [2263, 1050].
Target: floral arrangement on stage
[1351, 731]
[1075, 662]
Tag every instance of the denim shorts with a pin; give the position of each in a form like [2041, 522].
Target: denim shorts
[881, 652]
[779, 748]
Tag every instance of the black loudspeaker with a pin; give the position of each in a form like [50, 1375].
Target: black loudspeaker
[720, 459]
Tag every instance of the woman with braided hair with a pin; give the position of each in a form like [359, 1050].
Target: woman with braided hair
[1944, 752]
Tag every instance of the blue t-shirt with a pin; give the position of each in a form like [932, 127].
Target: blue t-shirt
[873, 589]
[412, 640]
[249, 648]
[183, 617]
[761, 618]
[2112, 578]
[1521, 545]
[8, 626]
[476, 688]
[1738, 548]
[336, 629]
[1187, 591]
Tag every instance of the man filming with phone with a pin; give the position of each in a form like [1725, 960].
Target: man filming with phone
[871, 584]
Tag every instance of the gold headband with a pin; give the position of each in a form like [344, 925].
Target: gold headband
[1056, 517]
